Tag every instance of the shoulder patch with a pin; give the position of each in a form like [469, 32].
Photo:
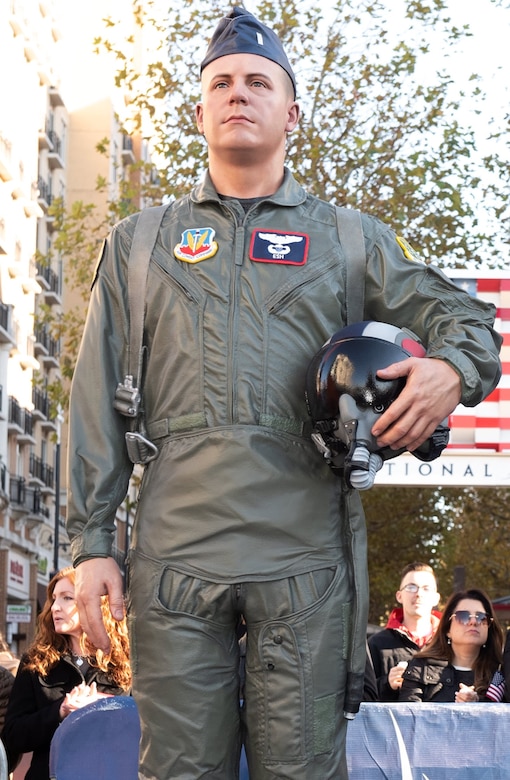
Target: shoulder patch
[196, 244]
[407, 249]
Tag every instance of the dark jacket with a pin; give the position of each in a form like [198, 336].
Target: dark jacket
[33, 713]
[506, 665]
[6, 683]
[390, 646]
[370, 683]
[427, 679]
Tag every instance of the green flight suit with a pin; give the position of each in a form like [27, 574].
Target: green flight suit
[239, 514]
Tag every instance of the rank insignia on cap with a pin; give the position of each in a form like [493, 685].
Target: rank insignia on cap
[407, 248]
[196, 244]
[274, 247]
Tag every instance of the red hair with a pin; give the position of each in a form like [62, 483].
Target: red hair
[48, 646]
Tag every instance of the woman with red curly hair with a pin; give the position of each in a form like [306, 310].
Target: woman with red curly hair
[61, 672]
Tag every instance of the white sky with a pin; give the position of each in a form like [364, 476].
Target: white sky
[485, 53]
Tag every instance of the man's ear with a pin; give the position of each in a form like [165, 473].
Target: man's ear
[199, 117]
[398, 597]
[293, 117]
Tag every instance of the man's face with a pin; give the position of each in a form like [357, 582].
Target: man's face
[247, 108]
[420, 603]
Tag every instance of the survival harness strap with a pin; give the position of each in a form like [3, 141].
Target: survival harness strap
[350, 235]
[128, 395]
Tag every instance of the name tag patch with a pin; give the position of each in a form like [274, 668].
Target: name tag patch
[274, 247]
[196, 244]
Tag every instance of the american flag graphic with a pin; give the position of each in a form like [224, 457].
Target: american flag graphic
[496, 689]
[487, 426]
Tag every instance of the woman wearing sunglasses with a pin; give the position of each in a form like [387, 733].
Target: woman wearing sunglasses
[462, 660]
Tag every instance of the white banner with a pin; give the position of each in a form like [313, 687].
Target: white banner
[486, 470]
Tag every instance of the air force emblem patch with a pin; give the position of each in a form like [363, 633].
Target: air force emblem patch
[274, 247]
[196, 244]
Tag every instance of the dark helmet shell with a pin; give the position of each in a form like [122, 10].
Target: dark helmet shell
[348, 363]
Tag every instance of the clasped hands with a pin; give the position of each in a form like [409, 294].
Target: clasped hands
[80, 696]
[466, 693]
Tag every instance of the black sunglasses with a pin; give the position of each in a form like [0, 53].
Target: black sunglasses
[463, 616]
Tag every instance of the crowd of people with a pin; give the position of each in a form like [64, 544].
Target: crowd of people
[457, 655]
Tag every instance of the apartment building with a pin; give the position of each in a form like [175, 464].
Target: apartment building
[47, 150]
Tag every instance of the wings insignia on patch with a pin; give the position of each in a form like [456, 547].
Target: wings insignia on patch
[407, 249]
[275, 247]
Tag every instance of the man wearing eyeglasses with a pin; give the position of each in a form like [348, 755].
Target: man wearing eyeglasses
[408, 628]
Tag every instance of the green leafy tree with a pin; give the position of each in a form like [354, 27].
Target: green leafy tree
[374, 132]
[478, 537]
[403, 526]
[381, 127]
[448, 528]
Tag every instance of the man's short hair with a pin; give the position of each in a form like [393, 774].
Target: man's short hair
[416, 566]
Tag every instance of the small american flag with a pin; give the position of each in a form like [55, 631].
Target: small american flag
[496, 689]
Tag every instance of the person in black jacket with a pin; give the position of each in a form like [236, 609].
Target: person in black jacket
[8, 668]
[60, 673]
[409, 627]
[506, 663]
[461, 661]
[6, 683]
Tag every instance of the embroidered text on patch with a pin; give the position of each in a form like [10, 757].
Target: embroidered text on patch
[274, 247]
[196, 244]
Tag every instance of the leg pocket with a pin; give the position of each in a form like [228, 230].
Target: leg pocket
[296, 669]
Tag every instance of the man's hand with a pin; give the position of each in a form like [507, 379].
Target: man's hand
[395, 678]
[98, 577]
[431, 393]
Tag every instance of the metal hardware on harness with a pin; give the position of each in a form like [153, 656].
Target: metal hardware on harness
[128, 395]
[140, 449]
[127, 398]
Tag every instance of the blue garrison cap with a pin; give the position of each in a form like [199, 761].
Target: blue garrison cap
[241, 33]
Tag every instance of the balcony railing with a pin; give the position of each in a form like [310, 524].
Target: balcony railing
[21, 418]
[49, 281]
[27, 498]
[41, 401]
[50, 345]
[41, 471]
